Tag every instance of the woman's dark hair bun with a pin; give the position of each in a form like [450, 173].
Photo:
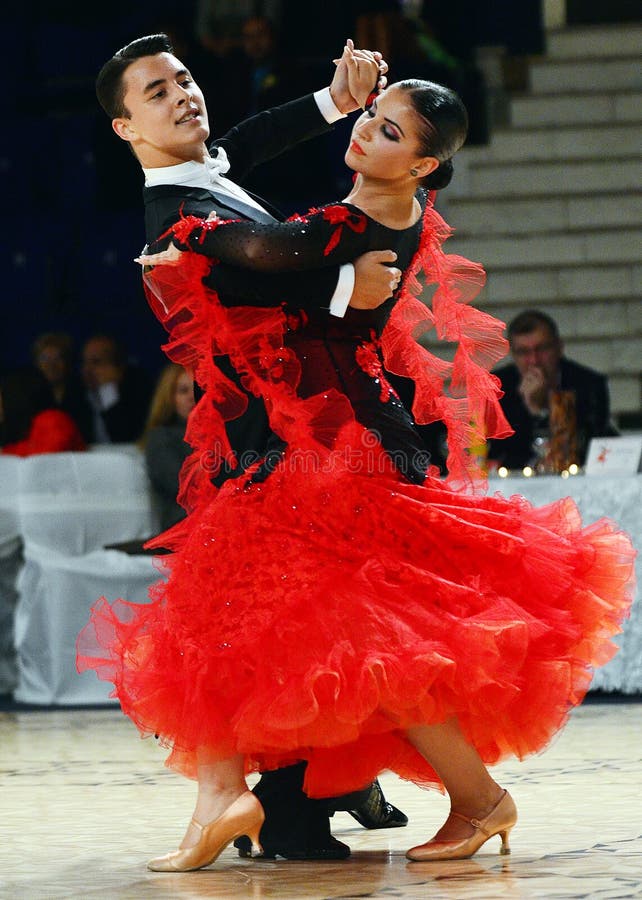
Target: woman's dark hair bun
[441, 177]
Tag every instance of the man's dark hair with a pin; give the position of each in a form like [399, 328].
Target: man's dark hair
[117, 351]
[527, 321]
[109, 83]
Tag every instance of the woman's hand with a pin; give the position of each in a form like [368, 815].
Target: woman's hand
[170, 257]
[358, 74]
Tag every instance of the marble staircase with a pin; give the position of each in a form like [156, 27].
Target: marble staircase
[552, 206]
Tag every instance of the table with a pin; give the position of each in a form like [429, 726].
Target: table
[618, 497]
[57, 513]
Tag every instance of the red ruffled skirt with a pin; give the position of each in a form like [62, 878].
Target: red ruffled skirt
[315, 616]
[318, 614]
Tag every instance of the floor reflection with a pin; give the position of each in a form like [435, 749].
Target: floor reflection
[85, 804]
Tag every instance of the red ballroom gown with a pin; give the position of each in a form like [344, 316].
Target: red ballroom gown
[316, 607]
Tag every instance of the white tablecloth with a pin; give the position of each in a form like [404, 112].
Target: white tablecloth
[10, 565]
[56, 592]
[618, 497]
[57, 513]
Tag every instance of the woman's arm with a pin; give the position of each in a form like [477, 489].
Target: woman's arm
[331, 236]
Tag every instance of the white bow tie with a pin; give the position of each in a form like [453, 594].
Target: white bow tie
[217, 165]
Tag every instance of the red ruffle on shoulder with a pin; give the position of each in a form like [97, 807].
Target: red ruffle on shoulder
[319, 613]
[463, 393]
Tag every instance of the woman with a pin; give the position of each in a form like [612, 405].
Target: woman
[163, 440]
[29, 420]
[53, 354]
[338, 603]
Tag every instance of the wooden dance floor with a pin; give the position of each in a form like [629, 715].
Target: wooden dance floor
[85, 803]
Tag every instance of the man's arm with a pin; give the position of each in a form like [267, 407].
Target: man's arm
[375, 281]
[273, 131]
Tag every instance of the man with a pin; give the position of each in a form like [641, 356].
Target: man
[540, 367]
[158, 109]
[118, 393]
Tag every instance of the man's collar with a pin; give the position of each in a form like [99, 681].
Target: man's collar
[197, 174]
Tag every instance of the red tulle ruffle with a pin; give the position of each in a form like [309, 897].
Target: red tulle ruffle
[319, 613]
[347, 608]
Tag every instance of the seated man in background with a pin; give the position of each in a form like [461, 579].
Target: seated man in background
[539, 367]
[119, 393]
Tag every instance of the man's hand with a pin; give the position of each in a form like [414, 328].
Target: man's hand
[170, 257]
[374, 281]
[364, 70]
[534, 390]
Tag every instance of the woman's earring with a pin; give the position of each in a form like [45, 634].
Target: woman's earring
[414, 173]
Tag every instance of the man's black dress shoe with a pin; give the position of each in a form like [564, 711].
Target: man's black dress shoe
[295, 826]
[329, 850]
[371, 809]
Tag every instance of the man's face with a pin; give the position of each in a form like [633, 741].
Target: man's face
[98, 365]
[167, 121]
[539, 349]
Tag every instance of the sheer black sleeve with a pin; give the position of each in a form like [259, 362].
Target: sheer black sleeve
[312, 289]
[330, 236]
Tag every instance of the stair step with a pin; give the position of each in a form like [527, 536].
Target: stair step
[560, 77]
[625, 393]
[540, 215]
[553, 216]
[552, 249]
[545, 142]
[582, 321]
[576, 109]
[492, 179]
[587, 321]
[575, 284]
[594, 41]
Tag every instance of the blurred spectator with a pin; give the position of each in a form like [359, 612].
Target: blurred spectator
[118, 392]
[219, 23]
[29, 421]
[413, 50]
[163, 439]
[539, 367]
[263, 69]
[258, 73]
[52, 353]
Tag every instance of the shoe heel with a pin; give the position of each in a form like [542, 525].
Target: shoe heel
[504, 850]
[253, 834]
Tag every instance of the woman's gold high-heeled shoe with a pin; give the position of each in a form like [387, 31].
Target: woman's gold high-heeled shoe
[244, 816]
[499, 821]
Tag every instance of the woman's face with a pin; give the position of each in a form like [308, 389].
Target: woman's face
[184, 395]
[385, 138]
[52, 363]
